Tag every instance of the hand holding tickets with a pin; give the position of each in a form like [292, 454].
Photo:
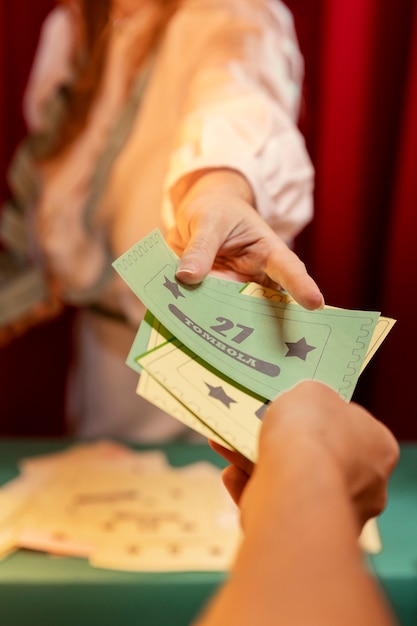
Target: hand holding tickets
[217, 352]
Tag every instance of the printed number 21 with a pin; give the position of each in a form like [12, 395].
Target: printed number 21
[226, 325]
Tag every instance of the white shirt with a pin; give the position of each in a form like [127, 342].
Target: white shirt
[224, 91]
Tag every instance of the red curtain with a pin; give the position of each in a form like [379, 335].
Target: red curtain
[392, 390]
[361, 128]
[33, 368]
[19, 30]
[360, 122]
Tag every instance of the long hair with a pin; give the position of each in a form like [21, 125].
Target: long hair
[92, 27]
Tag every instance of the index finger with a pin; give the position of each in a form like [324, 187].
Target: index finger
[284, 267]
[233, 457]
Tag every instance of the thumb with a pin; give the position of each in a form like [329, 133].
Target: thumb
[197, 259]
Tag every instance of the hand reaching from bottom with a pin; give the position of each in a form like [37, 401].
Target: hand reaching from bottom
[310, 426]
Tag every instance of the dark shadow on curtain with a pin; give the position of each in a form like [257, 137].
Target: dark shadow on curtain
[33, 368]
[360, 126]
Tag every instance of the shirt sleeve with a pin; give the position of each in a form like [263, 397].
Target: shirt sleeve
[241, 109]
[51, 67]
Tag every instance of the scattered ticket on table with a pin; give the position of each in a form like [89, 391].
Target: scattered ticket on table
[121, 509]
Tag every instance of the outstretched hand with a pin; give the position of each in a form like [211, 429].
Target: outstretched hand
[217, 229]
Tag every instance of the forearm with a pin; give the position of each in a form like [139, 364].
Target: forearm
[299, 562]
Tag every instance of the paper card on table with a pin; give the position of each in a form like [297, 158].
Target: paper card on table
[14, 498]
[191, 553]
[133, 512]
[383, 326]
[264, 346]
[194, 526]
[46, 474]
[103, 451]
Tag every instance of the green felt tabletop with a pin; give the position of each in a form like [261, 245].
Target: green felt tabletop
[36, 588]
[396, 565]
[39, 589]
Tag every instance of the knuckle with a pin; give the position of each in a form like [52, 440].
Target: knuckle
[201, 246]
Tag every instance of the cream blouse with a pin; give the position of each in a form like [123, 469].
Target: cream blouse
[223, 90]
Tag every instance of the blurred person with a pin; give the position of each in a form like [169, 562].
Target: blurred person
[322, 472]
[158, 113]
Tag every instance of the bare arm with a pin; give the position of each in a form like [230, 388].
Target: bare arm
[317, 480]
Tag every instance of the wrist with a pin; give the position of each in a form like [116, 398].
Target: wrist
[223, 181]
[298, 473]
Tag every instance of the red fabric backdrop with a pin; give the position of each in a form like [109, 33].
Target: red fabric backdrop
[33, 368]
[360, 122]
[361, 128]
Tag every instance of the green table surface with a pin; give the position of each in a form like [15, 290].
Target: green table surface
[38, 589]
[396, 565]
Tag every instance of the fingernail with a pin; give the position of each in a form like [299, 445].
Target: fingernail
[187, 267]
